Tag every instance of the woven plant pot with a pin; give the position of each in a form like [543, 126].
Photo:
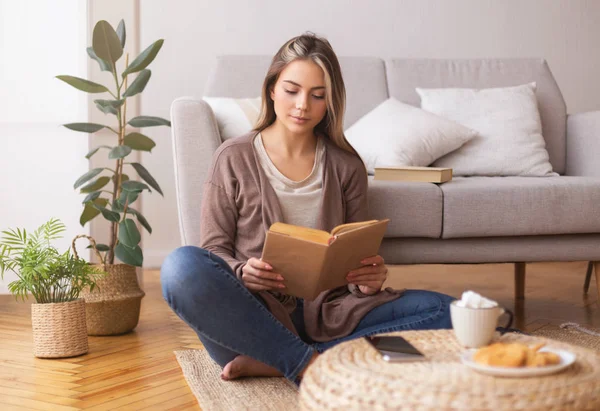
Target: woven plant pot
[113, 307]
[59, 329]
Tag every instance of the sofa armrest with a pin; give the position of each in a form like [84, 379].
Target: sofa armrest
[195, 139]
[583, 144]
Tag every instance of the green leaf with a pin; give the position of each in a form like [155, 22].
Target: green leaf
[87, 176]
[95, 185]
[132, 185]
[117, 206]
[119, 152]
[141, 170]
[109, 106]
[128, 233]
[138, 84]
[108, 214]
[93, 151]
[131, 256]
[124, 177]
[148, 121]
[145, 58]
[104, 66]
[138, 141]
[141, 219]
[100, 247]
[83, 84]
[90, 211]
[106, 109]
[121, 32]
[128, 197]
[52, 229]
[91, 196]
[106, 43]
[84, 127]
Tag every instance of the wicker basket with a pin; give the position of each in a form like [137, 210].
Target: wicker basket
[113, 307]
[59, 329]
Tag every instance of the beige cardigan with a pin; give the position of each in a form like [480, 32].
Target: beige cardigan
[239, 205]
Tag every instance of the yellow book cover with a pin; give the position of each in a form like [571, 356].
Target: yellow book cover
[312, 261]
[417, 174]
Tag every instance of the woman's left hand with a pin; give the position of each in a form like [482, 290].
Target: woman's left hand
[371, 276]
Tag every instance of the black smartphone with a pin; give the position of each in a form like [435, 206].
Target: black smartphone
[395, 348]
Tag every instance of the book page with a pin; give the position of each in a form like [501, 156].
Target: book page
[342, 228]
[347, 251]
[306, 233]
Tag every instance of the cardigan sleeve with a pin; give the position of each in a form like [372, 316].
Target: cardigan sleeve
[218, 224]
[355, 195]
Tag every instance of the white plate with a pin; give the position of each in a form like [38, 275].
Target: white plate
[566, 359]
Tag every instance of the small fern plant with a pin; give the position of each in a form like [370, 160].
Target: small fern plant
[42, 271]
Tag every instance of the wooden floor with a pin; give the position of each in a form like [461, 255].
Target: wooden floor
[139, 370]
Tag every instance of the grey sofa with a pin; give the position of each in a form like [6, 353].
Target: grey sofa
[467, 220]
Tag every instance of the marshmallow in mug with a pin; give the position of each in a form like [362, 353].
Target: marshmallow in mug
[471, 299]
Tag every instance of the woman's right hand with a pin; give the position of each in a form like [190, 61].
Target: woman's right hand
[258, 276]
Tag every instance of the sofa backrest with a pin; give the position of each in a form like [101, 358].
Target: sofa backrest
[370, 81]
[403, 75]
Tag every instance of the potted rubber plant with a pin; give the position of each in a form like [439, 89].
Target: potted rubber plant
[110, 192]
[55, 280]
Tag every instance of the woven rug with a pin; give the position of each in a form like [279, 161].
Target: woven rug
[214, 394]
[203, 377]
[571, 335]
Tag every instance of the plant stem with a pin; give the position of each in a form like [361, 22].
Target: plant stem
[121, 117]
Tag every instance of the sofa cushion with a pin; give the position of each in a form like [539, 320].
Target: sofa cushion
[397, 134]
[404, 75]
[511, 206]
[235, 116]
[414, 209]
[509, 138]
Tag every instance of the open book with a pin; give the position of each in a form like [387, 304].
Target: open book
[312, 261]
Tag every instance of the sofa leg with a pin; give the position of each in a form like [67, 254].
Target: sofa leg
[519, 281]
[588, 277]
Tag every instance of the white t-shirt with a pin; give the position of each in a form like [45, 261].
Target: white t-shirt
[300, 201]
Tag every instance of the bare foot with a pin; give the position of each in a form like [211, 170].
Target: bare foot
[244, 366]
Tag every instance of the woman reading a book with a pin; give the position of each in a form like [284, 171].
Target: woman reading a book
[295, 167]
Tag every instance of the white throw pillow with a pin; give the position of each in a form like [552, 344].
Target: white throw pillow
[235, 116]
[398, 134]
[509, 140]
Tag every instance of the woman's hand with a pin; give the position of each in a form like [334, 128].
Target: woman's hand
[371, 276]
[257, 276]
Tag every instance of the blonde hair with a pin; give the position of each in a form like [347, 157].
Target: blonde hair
[309, 46]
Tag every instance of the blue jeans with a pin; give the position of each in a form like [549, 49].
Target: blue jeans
[204, 292]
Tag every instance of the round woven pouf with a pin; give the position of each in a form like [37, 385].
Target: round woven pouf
[352, 376]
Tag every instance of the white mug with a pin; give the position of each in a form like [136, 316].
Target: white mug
[475, 327]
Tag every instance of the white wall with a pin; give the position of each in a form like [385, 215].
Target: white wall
[564, 32]
[39, 159]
